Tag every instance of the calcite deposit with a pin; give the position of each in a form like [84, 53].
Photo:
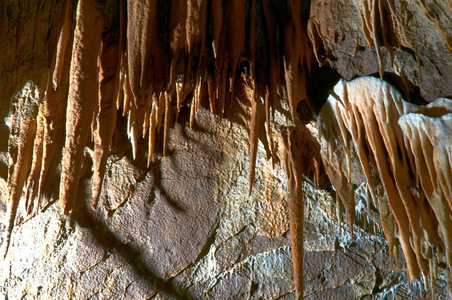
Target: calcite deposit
[180, 141]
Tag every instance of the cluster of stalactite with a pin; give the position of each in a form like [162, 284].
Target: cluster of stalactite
[405, 151]
[147, 59]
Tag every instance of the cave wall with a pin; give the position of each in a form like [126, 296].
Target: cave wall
[184, 226]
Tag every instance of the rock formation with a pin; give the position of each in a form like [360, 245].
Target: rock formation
[394, 140]
[174, 135]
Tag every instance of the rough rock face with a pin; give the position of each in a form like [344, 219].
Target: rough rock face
[167, 199]
[185, 228]
[410, 41]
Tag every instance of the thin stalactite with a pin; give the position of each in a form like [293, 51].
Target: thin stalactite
[32, 184]
[20, 152]
[55, 92]
[299, 157]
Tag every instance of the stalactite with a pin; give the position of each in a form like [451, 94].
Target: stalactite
[83, 95]
[50, 114]
[55, 92]
[196, 32]
[216, 17]
[426, 137]
[192, 112]
[32, 184]
[296, 210]
[166, 123]
[196, 101]
[24, 111]
[246, 91]
[270, 22]
[403, 155]
[196, 28]
[132, 126]
[133, 76]
[139, 77]
[125, 95]
[152, 130]
[254, 134]
[296, 55]
[178, 39]
[106, 119]
[298, 159]
[211, 88]
[161, 106]
[360, 121]
[272, 67]
[141, 25]
[229, 45]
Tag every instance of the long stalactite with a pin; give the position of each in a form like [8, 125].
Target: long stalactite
[82, 98]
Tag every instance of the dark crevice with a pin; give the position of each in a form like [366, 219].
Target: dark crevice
[319, 85]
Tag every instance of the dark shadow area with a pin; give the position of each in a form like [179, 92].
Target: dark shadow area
[108, 240]
[3, 170]
[319, 85]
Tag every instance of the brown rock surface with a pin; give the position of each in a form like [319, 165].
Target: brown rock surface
[417, 35]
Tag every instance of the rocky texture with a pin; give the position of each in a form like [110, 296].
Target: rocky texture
[174, 219]
[185, 228]
[408, 40]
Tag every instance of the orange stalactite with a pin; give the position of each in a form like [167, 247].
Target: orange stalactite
[177, 40]
[31, 187]
[164, 50]
[82, 98]
[299, 156]
[152, 132]
[53, 108]
[141, 24]
[296, 55]
[216, 19]
[21, 153]
[167, 122]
